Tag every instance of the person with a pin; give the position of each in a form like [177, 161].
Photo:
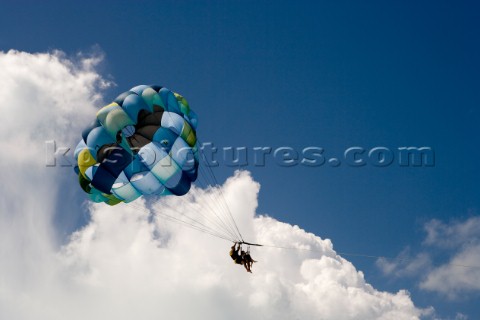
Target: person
[249, 261]
[235, 253]
[241, 257]
[245, 263]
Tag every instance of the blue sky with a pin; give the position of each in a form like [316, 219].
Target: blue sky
[326, 74]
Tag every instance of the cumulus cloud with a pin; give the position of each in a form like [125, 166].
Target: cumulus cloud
[461, 274]
[43, 97]
[129, 262]
[454, 234]
[459, 241]
[405, 264]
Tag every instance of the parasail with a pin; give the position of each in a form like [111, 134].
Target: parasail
[142, 143]
[145, 143]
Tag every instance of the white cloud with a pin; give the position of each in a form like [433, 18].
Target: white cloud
[129, 263]
[404, 264]
[461, 274]
[461, 316]
[42, 97]
[454, 234]
[459, 242]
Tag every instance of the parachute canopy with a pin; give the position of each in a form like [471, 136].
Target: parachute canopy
[142, 143]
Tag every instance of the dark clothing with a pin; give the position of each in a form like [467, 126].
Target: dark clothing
[241, 257]
[235, 256]
[239, 260]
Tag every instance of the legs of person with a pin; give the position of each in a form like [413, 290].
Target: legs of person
[250, 261]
